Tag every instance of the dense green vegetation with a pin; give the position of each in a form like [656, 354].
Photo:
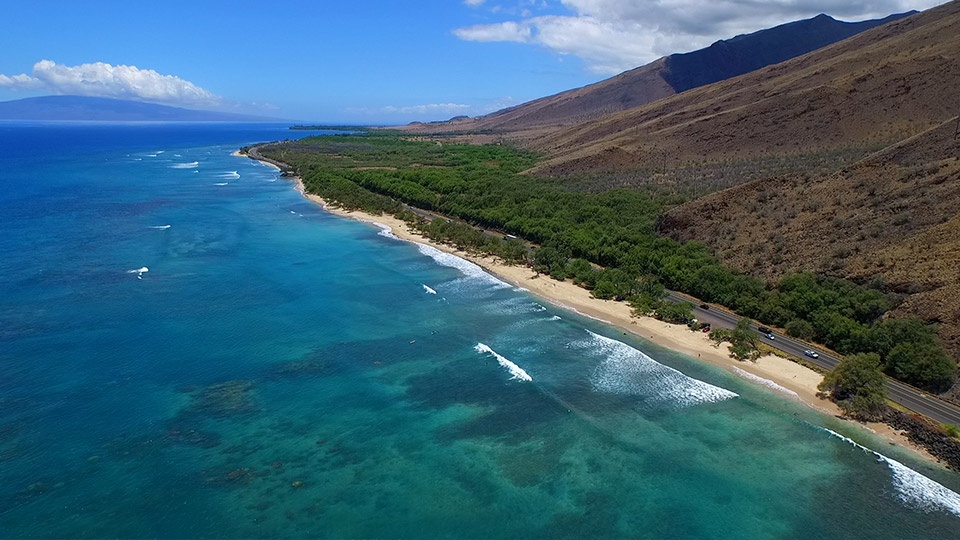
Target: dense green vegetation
[744, 341]
[606, 241]
[858, 386]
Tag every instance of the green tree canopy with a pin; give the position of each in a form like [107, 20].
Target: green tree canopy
[922, 364]
[858, 386]
[675, 312]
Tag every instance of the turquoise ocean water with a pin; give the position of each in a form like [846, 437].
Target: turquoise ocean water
[188, 348]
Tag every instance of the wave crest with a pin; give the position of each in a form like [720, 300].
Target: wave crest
[913, 489]
[626, 370]
[516, 371]
[465, 267]
[765, 382]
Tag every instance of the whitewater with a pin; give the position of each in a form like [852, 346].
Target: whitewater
[181, 359]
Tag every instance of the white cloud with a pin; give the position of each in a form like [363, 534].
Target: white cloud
[425, 112]
[615, 35]
[19, 82]
[520, 32]
[428, 109]
[104, 80]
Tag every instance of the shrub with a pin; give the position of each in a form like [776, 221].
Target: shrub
[858, 386]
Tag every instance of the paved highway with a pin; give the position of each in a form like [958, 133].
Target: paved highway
[907, 396]
[912, 398]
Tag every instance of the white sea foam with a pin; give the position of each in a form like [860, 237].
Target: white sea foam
[625, 370]
[428, 289]
[913, 489]
[161, 227]
[765, 382]
[516, 306]
[442, 258]
[385, 230]
[466, 267]
[139, 271]
[516, 371]
[233, 175]
[555, 318]
[221, 184]
[191, 165]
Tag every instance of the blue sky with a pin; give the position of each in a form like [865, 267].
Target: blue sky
[365, 61]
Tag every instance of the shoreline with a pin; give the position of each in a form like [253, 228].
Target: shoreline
[788, 379]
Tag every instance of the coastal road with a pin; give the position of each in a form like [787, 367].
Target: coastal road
[912, 398]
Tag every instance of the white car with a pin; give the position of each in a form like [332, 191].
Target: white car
[811, 354]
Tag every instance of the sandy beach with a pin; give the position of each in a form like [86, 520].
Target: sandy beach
[788, 379]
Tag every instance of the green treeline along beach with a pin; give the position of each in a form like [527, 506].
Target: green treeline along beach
[604, 241]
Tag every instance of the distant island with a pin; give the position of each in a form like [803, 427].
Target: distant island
[85, 108]
[316, 127]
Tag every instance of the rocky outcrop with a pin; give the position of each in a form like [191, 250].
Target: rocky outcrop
[927, 435]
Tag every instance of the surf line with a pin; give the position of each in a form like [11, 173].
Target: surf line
[139, 271]
[516, 371]
[913, 488]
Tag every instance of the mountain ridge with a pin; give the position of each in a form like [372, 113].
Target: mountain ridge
[844, 161]
[875, 88]
[666, 76]
[88, 108]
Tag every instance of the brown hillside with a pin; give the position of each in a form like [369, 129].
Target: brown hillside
[662, 78]
[855, 156]
[629, 89]
[894, 216]
[878, 87]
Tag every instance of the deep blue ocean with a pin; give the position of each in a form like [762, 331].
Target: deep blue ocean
[188, 348]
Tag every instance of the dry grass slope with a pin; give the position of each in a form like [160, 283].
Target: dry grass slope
[876, 88]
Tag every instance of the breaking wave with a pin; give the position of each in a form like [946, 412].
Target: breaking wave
[516, 306]
[465, 267]
[385, 230]
[516, 371]
[625, 370]
[220, 183]
[428, 289]
[161, 227]
[191, 165]
[913, 489]
[765, 382]
[233, 175]
[139, 271]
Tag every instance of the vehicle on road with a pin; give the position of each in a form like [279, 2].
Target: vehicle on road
[811, 354]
